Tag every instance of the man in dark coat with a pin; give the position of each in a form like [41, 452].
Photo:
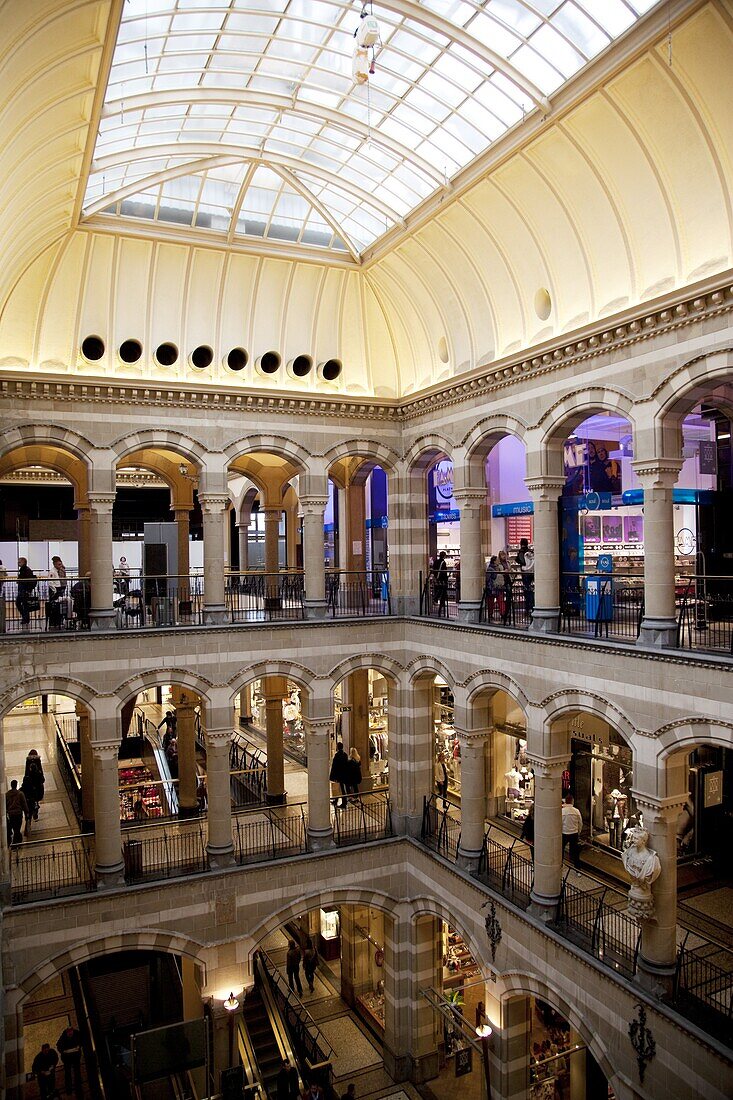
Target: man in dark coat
[340, 773]
[44, 1067]
[69, 1047]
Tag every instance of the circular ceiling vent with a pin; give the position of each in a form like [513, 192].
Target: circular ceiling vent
[202, 357]
[269, 363]
[130, 351]
[237, 359]
[92, 348]
[330, 370]
[166, 354]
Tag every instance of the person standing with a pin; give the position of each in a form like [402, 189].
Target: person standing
[339, 773]
[292, 966]
[44, 1067]
[310, 962]
[290, 715]
[170, 722]
[525, 561]
[27, 582]
[527, 834]
[34, 783]
[572, 823]
[353, 773]
[350, 1093]
[440, 583]
[56, 589]
[16, 808]
[122, 577]
[69, 1047]
[283, 1082]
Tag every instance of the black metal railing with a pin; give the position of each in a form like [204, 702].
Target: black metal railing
[312, 1046]
[52, 869]
[247, 774]
[269, 834]
[508, 600]
[164, 854]
[261, 597]
[69, 769]
[441, 825]
[703, 989]
[705, 613]
[366, 817]
[440, 593]
[159, 601]
[601, 605]
[358, 592]
[506, 866]
[39, 604]
[596, 921]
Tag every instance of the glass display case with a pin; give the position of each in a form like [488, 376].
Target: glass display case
[329, 934]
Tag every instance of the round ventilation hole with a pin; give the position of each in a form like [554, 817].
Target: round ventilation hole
[270, 362]
[130, 351]
[92, 348]
[543, 303]
[166, 354]
[202, 357]
[330, 370]
[301, 366]
[237, 359]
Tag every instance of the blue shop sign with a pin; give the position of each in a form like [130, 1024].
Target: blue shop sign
[679, 496]
[519, 508]
[451, 516]
[377, 522]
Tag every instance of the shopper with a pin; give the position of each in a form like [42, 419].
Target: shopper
[290, 716]
[440, 583]
[69, 1047]
[310, 962]
[16, 808]
[283, 1082]
[350, 1093]
[525, 561]
[26, 600]
[170, 722]
[339, 773]
[81, 600]
[527, 834]
[491, 588]
[44, 1067]
[572, 823]
[56, 589]
[441, 782]
[34, 783]
[504, 585]
[353, 773]
[122, 577]
[292, 966]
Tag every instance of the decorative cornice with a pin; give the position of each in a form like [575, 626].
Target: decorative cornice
[105, 750]
[668, 314]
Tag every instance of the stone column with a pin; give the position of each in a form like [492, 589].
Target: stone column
[473, 796]
[102, 613]
[243, 530]
[187, 772]
[354, 527]
[659, 624]
[411, 754]
[356, 696]
[658, 952]
[545, 492]
[182, 525]
[470, 502]
[547, 836]
[313, 509]
[274, 688]
[219, 846]
[107, 831]
[87, 768]
[272, 541]
[318, 746]
[425, 969]
[408, 548]
[83, 520]
[214, 509]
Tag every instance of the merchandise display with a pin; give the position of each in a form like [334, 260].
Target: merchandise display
[601, 780]
[459, 965]
[373, 1004]
[519, 779]
[329, 934]
[136, 780]
[447, 747]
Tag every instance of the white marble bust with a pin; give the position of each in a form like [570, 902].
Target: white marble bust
[643, 868]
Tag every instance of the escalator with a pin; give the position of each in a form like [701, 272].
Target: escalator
[258, 1022]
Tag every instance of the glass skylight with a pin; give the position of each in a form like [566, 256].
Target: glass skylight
[241, 117]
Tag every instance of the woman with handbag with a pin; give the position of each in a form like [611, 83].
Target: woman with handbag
[26, 601]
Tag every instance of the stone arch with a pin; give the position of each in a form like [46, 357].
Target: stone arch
[491, 680]
[188, 448]
[565, 414]
[142, 939]
[516, 983]
[349, 895]
[301, 675]
[434, 907]
[483, 437]
[367, 449]
[682, 389]
[387, 666]
[279, 445]
[180, 677]
[429, 666]
[47, 685]
[687, 734]
[566, 702]
[50, 435]
[426, 450]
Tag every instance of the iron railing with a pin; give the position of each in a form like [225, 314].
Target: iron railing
[441, 825]
[166, 854]
[366, 817]
[601, 605]
[358, 592]
[440, 594]
[262, 597]
[595, 921]
[703, 988]
[52, 869]
[159, 601]
[509, 601]
[705, 613]
[269, 834]
[309, 1041]
[247, 774]
[69, 770]
[506, 866]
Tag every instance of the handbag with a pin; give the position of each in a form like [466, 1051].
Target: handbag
[33, 603]
[499, 580]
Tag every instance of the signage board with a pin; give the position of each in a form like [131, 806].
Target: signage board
[518, 508]
[713, 795]
[708, 456]
[464, 1061]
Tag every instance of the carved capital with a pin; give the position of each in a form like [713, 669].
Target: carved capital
[213, 504]
[470, 498]
[105, 750]
[216, 739]
[546, 488]
[547, 767]
[657, 473]
[472, 739]
[664, 810]
[313, 505]
[101, 503]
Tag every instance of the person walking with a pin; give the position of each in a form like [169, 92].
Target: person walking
[440, 583]
[25, 601]
[525, 561]
[292, 966]
[283, 1082]
[353, 773]
[81, 600]
[339, 773]
[69, 1047]
[56, 589]
[310, 962]
[170, 722]
[34, 783]
[44, 1067]
[503, 584]
[16, 808]
[572, 823]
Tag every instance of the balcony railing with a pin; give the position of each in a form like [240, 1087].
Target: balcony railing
[263, 597]
[441, 825]
[601, 605]
[595, 921]
[166, 854]
[358, 592]
[703, 989]
[269, 834]
[705, 613]
[159, 601]
[42, 869]
[366, 817]
[440, 593]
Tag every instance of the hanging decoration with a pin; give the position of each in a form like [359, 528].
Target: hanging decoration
[367, 38]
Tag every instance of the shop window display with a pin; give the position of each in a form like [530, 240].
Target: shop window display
[137, 787]
[601, 777]
[560, 1065]
[447, 747]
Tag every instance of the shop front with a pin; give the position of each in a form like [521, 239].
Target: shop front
[601, 775]
[371, 739]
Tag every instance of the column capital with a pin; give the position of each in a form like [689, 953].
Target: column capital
[547, 767]
[321, 726]
[546, 487]
[180, 511]
[105, 750]
[313, 505]
[101, 503]
[657, 473]
[216, 738]
[659, 809]
[213, 503]
[469, 495]
[473, 738]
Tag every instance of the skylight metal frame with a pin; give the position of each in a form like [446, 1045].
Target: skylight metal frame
[441, 28]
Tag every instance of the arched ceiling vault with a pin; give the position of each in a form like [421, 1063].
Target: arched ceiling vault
[621, 196]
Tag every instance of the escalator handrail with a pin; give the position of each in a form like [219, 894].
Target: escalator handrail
[275, 978]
